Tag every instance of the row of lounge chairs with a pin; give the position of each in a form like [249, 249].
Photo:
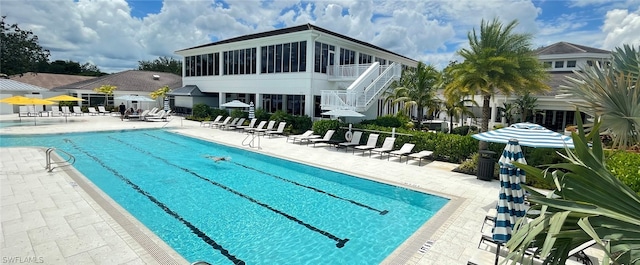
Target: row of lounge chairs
[263, 128]
[406, 150]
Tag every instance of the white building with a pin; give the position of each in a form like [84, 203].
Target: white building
[302, 70]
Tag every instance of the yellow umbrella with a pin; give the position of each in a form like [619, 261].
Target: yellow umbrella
[20, 100]
[64, 98]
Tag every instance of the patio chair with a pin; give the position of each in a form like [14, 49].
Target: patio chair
[355, 141]
[403, 151]
[278, 131]
[77, 111]
[24, 111]
[251, 124]
[162, 116]
[232, 126]
[387, 146]
[93, 111]
[217, 124]
[269, 127]
[66, 111]
[420, 155]
[260, 126]
[296, 136]
[102, 110]
[371, 143]
[208, 123]
[226, 125]
[325, 139]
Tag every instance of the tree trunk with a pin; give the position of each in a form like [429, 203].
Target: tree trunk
[486, 116]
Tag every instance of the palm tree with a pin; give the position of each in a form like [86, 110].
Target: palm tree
[417, 87]
[588, 203]
[456, 107]
[507, 111]
[498, 60]
[526, 104]
[107, 90]
[160, 92]
[611, 91]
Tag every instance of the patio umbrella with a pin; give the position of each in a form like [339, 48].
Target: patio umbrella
[20, 100]
[134, 98]
[528, 134]
[511, 198]
[343, 113]
[252, 111]
[235, 104]
[64, 98]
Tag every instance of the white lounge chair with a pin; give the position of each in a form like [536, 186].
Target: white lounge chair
[325, 139]
[298, 136]
[208, 123]
[77, 111]
[260, 126]
[93, 111]
[102, 110]
[355, 141]
[387, 146]
[278, 131]
[269, 127]
[403, 151]
[231, 123]
[371, 143]
[419, 155]
[225, 121]
[162, 116]
[251, 124]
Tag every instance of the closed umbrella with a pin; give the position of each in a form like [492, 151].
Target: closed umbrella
[252, 111]
[528, 134]
[511, 197]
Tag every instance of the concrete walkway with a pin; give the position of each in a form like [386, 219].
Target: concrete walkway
[62, 218]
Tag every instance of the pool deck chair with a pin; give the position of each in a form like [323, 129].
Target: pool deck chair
[233, 126]
[325, 139]
[251, 124]
[278, 131]
[420, 155]
[260, 126]
[162, 116]
[355, 141]
[226, 125]
[208, 123]
[371, 143]
[387, 146]
[217, 124]
[403, 151]
[102, 110]
[77, 111]
[269, 127]
[93, 111]
[297, 136]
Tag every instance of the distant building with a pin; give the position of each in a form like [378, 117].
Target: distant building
[302, 70]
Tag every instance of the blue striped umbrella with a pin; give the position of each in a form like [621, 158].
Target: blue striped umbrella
[511, 200]
[528, 134]
[252, 112]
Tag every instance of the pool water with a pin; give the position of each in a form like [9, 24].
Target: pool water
[249, 208]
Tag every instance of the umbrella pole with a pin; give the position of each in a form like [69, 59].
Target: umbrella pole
[497, 253]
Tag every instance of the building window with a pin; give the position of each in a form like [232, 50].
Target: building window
[239, 62]
[547, 64]
[364, 58]
[295, 105]
[283, 58]
[571, 64]
[323, 57]
[347, 56]
[559, 64]
[272, 103]
[381, 61]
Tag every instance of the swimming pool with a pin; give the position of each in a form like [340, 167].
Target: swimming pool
[253, 208]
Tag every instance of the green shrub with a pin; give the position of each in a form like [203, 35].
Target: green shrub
[263, 115]
[387, 121]
[464, 130]
[201, 111]
[626, 167]
[238, 113]
[322, 126]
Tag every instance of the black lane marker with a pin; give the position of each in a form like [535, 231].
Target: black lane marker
[313, 188]
[164, 207]
[383, 212]
[339, 242]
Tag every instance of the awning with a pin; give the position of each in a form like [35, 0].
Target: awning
[190, 90]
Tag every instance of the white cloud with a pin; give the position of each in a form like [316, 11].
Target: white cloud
[105, 33]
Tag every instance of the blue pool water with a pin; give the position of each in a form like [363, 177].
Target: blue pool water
[252, 209]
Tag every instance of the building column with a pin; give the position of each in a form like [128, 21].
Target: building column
[258, 103]
[221, 99]
[494, 113]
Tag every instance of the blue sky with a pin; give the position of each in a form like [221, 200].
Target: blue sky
[116, 34]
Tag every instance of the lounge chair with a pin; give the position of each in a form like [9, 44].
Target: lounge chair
[251, 124]
[66, 111]
[355, 141]
[77, 111]
[208, 123]
[269, 127]
[371, 143]
[325, 139]
[102, 110]
[278, 131]
[232, 126]
[226, 126]
[294, 137]
[419, 155]
[403, 151]
[93, 111]
[162, 116]
[24, 111]
[217, 124]
[260, 126]
[387, 146]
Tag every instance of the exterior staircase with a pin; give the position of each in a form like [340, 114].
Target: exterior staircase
[364, 91]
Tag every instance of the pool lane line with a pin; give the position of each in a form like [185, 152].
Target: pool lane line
[382, 212]
[164, 207]
[339, 241]
[313, 188]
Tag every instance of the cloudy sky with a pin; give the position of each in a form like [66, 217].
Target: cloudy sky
[116, 34]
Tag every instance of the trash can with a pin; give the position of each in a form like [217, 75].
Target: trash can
[486, 163]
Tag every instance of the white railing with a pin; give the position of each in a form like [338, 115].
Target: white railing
[361, 94]
[349, 71]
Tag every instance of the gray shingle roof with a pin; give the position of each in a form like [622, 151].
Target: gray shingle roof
[131, 80]
[16, 86]
[190, 90]
[567, 48]
[48, 80]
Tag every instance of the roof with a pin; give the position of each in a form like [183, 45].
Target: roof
[190, 90]
[131, 80]
[47, 80]
[568, 48]
[13, 85]
[306, 27]
[556, 79]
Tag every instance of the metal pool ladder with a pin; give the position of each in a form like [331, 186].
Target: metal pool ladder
[51, 164]
[250, 140]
